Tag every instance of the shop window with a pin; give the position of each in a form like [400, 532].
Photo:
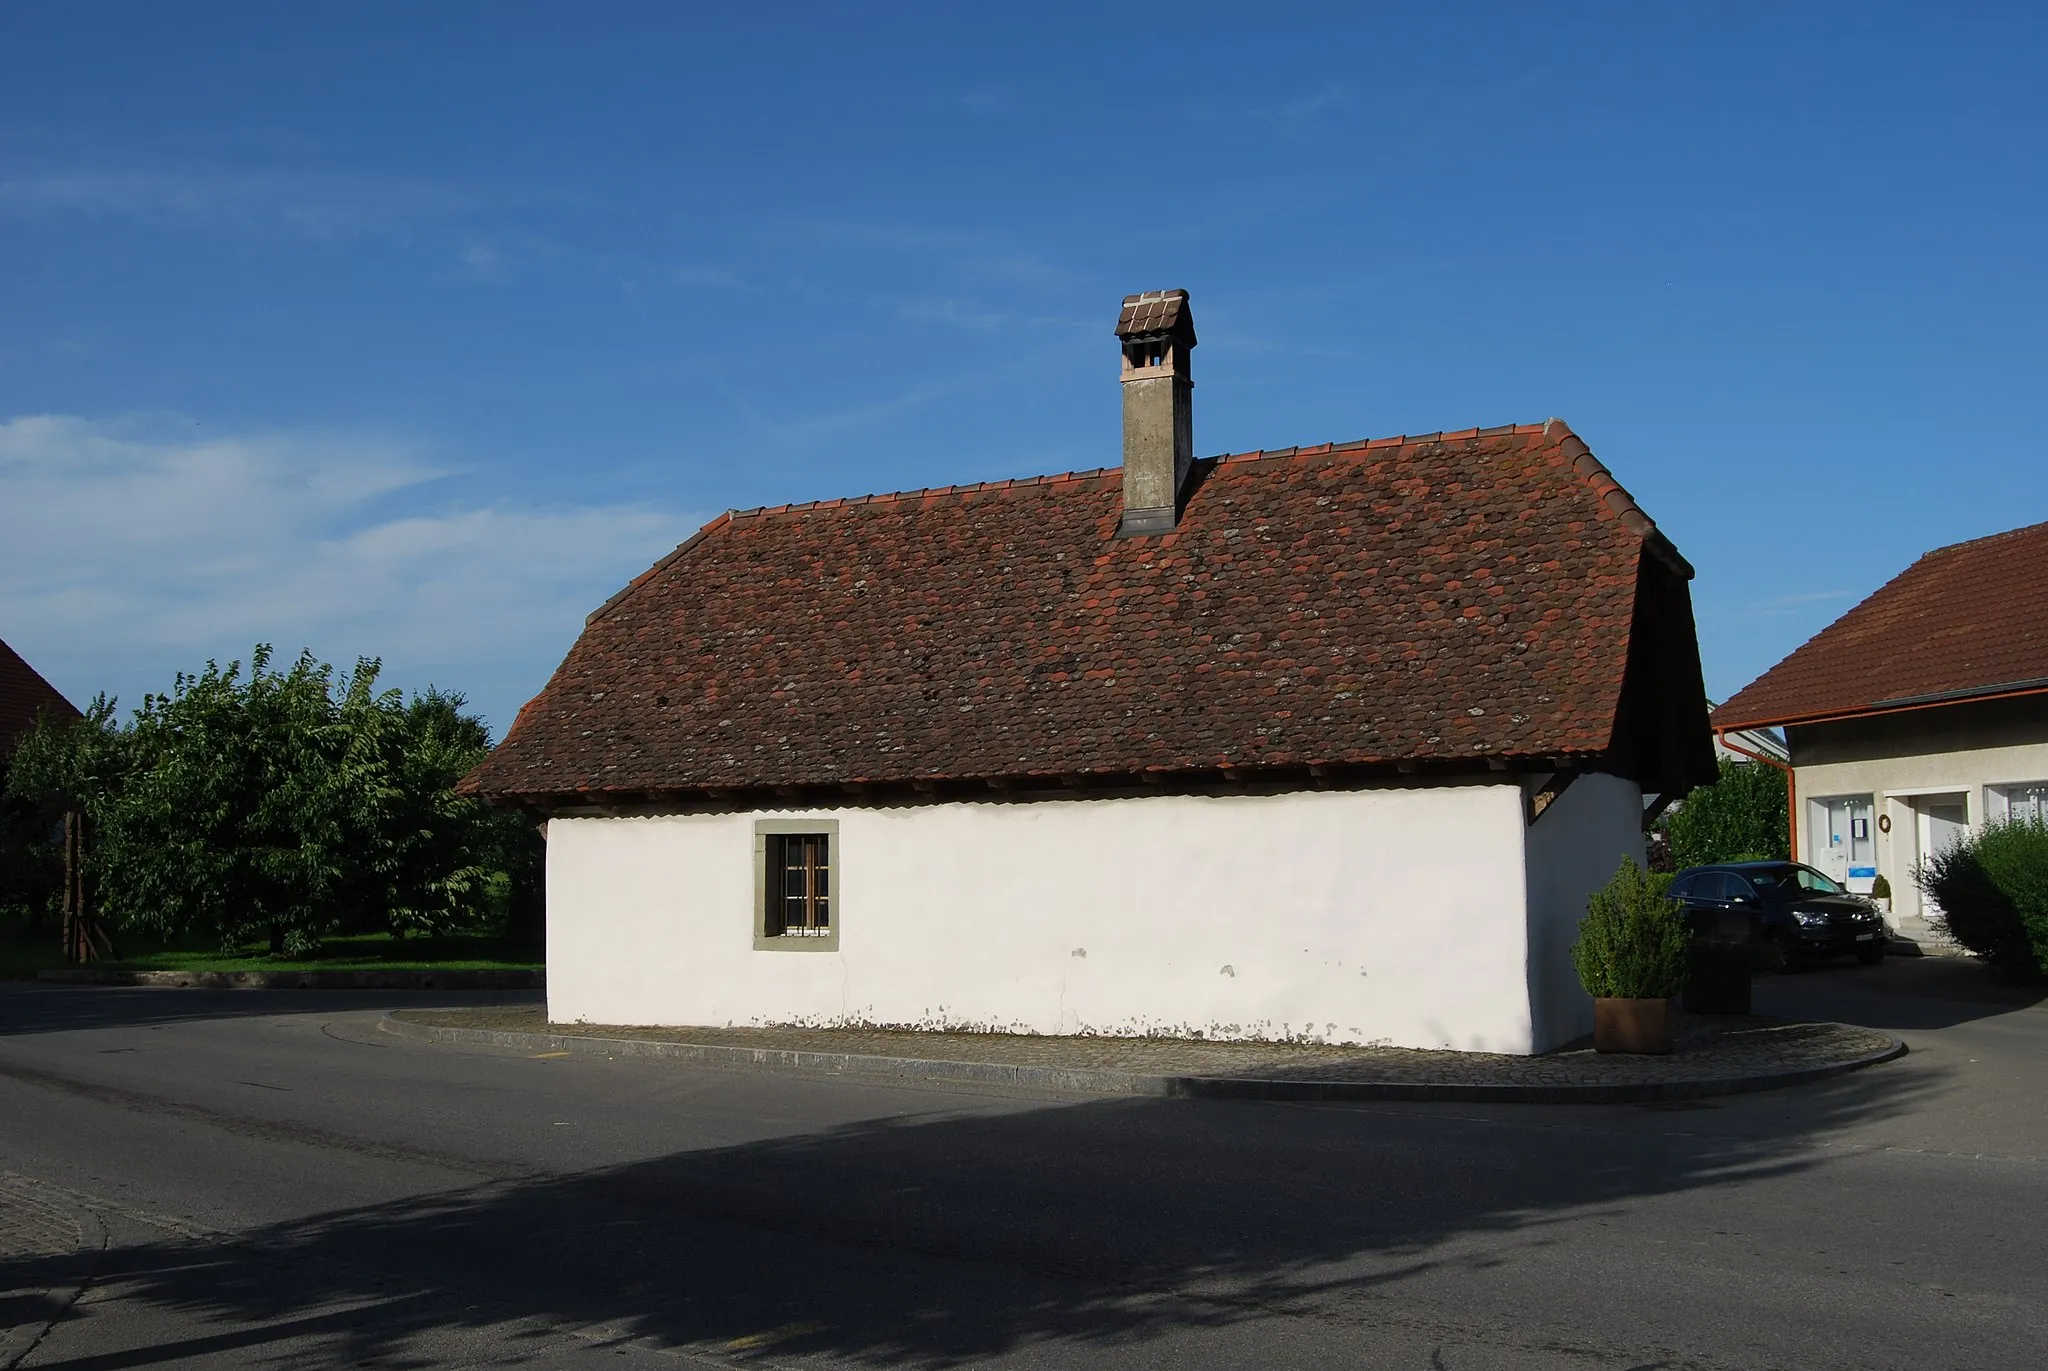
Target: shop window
[2026, 802]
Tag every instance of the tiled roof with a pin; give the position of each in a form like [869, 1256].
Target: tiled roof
[1155, 311]
[1454, 597]
[23, 695]
[1966, 620]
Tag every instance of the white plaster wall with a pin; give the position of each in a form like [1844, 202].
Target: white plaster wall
[1967, 770]
[1574, 848]
[1396, 916]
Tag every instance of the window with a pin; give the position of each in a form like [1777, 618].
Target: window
[2026, 803]
[796, 885]
[1729, 886]
[800, 885]
[1792, 882]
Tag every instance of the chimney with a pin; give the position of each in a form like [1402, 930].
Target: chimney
[1157, 331]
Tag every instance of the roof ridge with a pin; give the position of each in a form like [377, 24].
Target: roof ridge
[1050, 478]
[1973, 542]
[1627, 505]
[884, 497]
[1614, 495]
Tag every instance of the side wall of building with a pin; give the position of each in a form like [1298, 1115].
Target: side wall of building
[1573, 849]
[1380, 916]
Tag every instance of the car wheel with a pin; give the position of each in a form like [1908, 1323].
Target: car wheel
[1791, 957]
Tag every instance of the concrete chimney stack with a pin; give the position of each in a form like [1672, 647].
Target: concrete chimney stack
[1157, 331]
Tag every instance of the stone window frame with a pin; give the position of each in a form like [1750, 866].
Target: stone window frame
[764, 829]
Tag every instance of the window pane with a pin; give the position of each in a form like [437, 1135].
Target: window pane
[798, 885]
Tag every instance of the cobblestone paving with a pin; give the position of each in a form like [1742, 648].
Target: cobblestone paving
[40, 1235]
[1707, 1048]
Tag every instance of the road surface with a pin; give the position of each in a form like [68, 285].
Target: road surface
[261, 1179]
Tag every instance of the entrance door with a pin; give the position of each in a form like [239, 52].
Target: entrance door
[1944, 821]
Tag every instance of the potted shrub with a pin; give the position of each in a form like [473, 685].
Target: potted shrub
[1719, 979]
[1633, 955]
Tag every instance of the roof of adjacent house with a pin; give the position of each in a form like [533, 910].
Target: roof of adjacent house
[1965, 621]
[1454, 597]
[23, 695]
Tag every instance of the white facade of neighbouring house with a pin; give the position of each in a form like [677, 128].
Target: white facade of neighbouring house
[1434, 917]
[1884, 794]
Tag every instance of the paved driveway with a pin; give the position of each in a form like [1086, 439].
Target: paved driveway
[260, 1179]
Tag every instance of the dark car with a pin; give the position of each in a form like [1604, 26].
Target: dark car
[1807, 915]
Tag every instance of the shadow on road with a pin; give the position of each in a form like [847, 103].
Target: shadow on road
[940, 1241]
[1898, 993]
[32, 1008]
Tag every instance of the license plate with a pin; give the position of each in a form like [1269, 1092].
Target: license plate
[1865, 937]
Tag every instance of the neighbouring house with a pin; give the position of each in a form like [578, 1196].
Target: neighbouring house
[1746, 745]
[1323, 743]
[24, 696]
[1916, 716]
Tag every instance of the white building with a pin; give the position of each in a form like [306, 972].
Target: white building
[1326, 743]
[1916, 716]
[1745, 745]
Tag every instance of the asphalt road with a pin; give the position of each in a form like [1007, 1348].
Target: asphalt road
[261, 1179]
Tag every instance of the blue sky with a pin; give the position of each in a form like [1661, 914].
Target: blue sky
[415, 331]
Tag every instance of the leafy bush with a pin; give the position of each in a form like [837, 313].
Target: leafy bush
[1880, 889]
[1633, 943]
[293, 804]
[1739, 818]
[1992, 886]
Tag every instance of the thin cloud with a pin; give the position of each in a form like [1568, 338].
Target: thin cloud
[1782, 606]
[318, 205]
[1328, 100]
[806, 431]
[484, 261]
[989, 101]
[130, 549]
[952, 313]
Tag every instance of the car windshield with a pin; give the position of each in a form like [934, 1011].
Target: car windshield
[1790, 882]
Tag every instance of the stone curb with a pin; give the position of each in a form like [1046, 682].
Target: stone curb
[303, 980]
[1098, 1082]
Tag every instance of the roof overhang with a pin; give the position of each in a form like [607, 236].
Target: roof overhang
[1897, 705]
[1229, 780]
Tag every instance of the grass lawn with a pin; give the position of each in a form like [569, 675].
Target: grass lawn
[22, 956]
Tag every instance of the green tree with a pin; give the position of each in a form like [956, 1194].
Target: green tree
[1741, 817]
[31, 862]
[288, 805]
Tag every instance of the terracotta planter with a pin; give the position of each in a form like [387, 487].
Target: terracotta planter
[1642, 1026]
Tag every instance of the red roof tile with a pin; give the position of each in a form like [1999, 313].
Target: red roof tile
[23, 695]
[1966, 620]
[1458, 597]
